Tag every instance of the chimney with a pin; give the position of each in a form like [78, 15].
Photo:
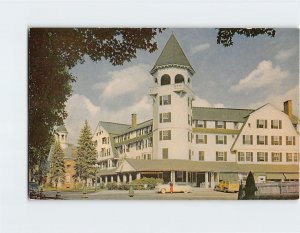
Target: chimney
[287, 108]
[133, 120]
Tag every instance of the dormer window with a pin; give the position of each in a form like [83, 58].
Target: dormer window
[165, 80]
[179, 78]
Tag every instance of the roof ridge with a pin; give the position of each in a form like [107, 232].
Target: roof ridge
[225, 108]
[114, 123]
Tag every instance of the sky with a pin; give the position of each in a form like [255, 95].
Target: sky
[249, 74]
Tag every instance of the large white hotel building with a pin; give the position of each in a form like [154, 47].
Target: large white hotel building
[197, 145]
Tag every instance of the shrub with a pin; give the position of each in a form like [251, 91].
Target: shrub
[112, 186]
[250, 187]
[150, 183]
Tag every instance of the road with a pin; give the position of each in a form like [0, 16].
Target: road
[197, 194]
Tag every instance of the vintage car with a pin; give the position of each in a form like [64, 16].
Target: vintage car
[227, 186]
[177, 188]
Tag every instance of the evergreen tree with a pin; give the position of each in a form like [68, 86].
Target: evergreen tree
[250, 187]
[57, 166]
[86, 155]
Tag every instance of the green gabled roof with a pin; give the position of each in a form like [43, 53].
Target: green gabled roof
[61, 129]
[114, 128]
[221, 114]
[139, 126]
[172, 54]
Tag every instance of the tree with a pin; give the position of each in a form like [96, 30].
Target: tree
[57, 166]
[250, 187]
[225, 35]
[86, 155]
[52, 52]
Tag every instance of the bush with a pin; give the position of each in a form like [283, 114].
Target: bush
[112, 186]
[250, 187]
[139, 184]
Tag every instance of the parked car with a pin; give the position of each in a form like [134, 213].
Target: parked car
[35, 191]
[227, 186]
[177, 188]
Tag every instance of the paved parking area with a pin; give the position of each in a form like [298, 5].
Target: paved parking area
[197, 194]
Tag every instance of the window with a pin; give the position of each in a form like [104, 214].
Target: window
[289, 157]
[201, 155]
[165, 79]
[221, 139]
[165, 153]
[262, 140]
[165, 100]
[296, 157]
[104, 140]
[276, 124]
[201, 139]
[179, 78]
[149, 156]
[189, 119]
[165, 135]
[261, 124]
[245, 156]
[276, 140]
[247, 139]
[220, 125]
[155, 80]
[290, 140]
[200, 124]
[190, 154]
[262, 156]
[235, 125]
[165, 117]
[188, 99]
[276, 157]
[221, 156]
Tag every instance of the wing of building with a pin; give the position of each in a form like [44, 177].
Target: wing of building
[197, 145]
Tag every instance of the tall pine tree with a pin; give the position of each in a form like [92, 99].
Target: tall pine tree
[57, 166]
[86, 155]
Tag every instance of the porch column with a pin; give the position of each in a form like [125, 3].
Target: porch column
[186, 177]
[218, 177]
[101, 180]
[138, 176]
[112, 179]
[206, 180]
[173, 176]
[118, 179]
[130, 178]
[105, 181]
[212, 179]
[124, 178]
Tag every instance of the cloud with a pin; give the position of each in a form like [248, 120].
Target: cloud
[285, 54]
[264, 75]
[200, 48]
[124, 81]
[198, 102]
[79, 109]
[142, 107]
[278, 99]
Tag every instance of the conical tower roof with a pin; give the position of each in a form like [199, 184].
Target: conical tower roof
[172, 55]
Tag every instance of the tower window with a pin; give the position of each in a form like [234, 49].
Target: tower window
[155, 80]
[165, 100]
[179, 78]
[165, 117]
[165, 79]
[165, 135]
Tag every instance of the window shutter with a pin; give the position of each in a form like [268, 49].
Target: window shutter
[244, 137]
[169, 99]
[280, 157]
[280, 125]
[160, 135]
[224, 124]
[280, 140]
[257, 123]
[170, 116]
[160, 117]
[204, 124]
[170, 134]
[266, 140]
[257, 140]
[197, 138]
[294, 141]
[205, 139]
[217, 139]
[266, 122]
[225, 156]
[266, 156]
[160, 100]
[217, 158]
[251, 139]
[225, 139]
